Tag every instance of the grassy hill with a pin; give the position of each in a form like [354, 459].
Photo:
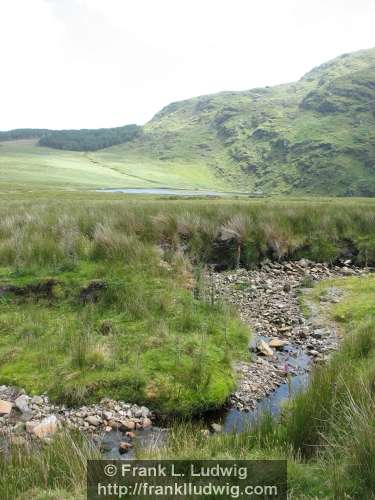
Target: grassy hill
[314, 136]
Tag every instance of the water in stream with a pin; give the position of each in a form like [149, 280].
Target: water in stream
[231, 419]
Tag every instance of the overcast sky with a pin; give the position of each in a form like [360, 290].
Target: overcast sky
[103, 63]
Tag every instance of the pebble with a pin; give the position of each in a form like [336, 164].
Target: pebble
[267, 300]
[38, 417]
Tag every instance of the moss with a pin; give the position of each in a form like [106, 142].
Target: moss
[160, 336]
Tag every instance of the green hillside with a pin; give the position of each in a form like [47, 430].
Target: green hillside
[315, 136]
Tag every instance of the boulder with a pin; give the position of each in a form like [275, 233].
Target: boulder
[107, 415]
[47, 427]
[93, 420]
[37, 400]
[216, 427]
[127, 425]
[124, 447]
[278, 343]
[5, 407]
[264, 348]
[146, 422]
[22, 403]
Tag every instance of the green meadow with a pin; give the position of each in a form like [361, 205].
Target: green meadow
[25, 165]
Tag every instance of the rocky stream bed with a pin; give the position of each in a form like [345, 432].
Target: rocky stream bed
[284, 346]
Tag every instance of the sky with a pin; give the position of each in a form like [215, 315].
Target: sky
[106, 63]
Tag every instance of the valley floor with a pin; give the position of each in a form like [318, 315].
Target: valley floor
[108, 296]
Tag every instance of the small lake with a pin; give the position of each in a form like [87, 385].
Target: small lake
[165, 191]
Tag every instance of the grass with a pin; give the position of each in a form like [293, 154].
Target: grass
[130, 315]
[47, 471]
[142, 338]
[151, 332]
[326, 433]
[25, 165]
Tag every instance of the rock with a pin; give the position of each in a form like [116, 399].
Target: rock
[216, 427]
[320, 333]
[19, 427]
[253, 344]
[205, 433]
[146, 422]
[145, 412]
[264, 348]
[130, 434]
[287, 287]
[124, 447]
[93, 420]
[114, 424]
[107, 415]
[127, 425]
[47, 427]
[5, 407]
[30, 426]
[18, 441]
[278, 343]
[37, 400]
[22, 403]
[313, 352]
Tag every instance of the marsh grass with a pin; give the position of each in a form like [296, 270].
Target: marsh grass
[142, 326]
[327, 433]
[56, 470]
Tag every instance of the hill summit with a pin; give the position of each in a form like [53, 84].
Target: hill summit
[315, 136]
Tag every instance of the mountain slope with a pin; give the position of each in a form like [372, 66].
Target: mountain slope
[315, 136]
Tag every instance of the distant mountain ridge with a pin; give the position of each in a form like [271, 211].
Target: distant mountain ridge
[314, 136]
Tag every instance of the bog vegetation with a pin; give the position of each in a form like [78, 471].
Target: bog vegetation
[104, 296]
[326, 433]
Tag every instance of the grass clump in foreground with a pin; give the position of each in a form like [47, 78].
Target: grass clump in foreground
[326, 433]
[47, 471]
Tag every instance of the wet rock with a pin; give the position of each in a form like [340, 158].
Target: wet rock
[278, 343]
[124, 447]
[264, 348]
[127, 425]
[115, 425]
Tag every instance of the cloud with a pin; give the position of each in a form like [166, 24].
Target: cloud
[92, 63]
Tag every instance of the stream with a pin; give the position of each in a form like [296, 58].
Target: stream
[269, 301]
